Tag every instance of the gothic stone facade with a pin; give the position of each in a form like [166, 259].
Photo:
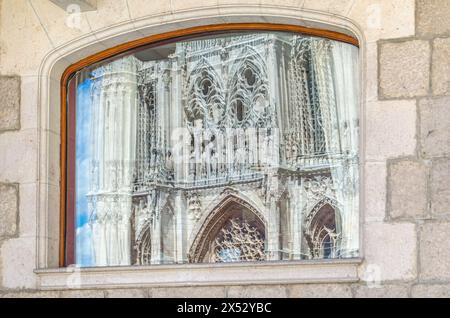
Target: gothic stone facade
[225, 152]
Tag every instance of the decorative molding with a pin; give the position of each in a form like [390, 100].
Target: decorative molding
[292, 272]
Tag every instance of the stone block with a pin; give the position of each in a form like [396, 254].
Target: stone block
[390, 252]
[407, 184]
[431, 291]
[126, 293]
[94, 293]
[139, 9]
[404, 69]
[320, 291]
[188, 292]
[9, 205]
[432, 17]
[435, 251]
[441, 66]
[332, 6]
[265, 291]
[27, 209]
[10, 103]
[435, 126]
[387, 19]
[61, 26]
[180, 5]
[391, 129]
[440, 187]
[285, 3]
[382, 291]
[18, 262]
[31, 294]
[375, 189]
[18, 156]
[371, 76]
[24, 42]
[109, 13]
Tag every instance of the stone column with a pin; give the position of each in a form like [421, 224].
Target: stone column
[296, 221]
[180, 228]
[156, 237]
[273, 231]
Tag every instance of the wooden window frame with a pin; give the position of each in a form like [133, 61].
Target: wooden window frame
[67, 150]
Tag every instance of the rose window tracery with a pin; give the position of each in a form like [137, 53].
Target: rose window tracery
[238, 241]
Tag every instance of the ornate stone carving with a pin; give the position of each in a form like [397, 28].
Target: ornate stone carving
[195, 205]
[238, 241]
[257, 115]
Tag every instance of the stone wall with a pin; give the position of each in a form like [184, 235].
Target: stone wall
[406, 211]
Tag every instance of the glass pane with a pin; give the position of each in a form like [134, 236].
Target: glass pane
[224, 148]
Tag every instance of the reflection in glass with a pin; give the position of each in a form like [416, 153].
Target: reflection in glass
[230, 148]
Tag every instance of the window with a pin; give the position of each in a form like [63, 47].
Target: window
[225, 147]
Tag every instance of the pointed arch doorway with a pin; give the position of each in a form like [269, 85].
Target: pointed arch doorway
[323, 231]
[233, 232]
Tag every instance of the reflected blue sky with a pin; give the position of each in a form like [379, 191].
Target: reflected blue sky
[83, 115]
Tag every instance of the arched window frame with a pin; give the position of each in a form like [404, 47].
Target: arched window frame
[351, 40]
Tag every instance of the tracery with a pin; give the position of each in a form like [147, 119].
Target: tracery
[255, 115]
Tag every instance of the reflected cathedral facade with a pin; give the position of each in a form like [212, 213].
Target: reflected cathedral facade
[233, 148]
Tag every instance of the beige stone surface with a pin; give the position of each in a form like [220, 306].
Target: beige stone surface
[188, 292]
[435, 251]
[289, 3]
[9, 204]
[140, 8]
[332, 6]
[127, 293]
[262, 291]
[404, 69]
[389, 251]
[52, 163]
[18, 156]
[31, 294]
[29, 102]
[435, 126]
[60, 25]
[382, 291]
[407, 183]
[108, 13]
[237, 2]
[27, 209]
[431, 291]
[179, 5]
[83, 294]
[383, 19]
[375, 189]
[18, 261]
[24, 42]
[83, 5]
[10, 103]
[440, 187]
[441, 66]
[320, 291]
[433, 17]
[371, 73]
[390, 129]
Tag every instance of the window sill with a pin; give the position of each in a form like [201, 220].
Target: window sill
[320, 271]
